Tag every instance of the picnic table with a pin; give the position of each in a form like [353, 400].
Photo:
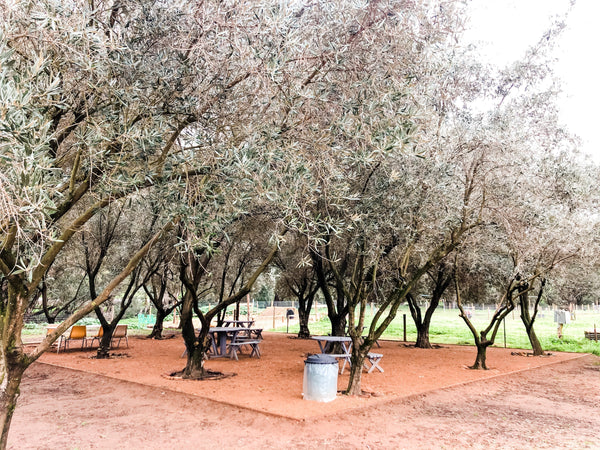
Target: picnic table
[219, 336]
[325, 342]
[238, 323]
[227, 341]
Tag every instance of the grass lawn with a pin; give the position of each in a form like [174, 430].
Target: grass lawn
[448, 328]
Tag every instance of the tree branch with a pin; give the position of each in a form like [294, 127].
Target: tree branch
[104, 295]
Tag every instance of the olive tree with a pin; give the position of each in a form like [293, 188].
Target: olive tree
[162, 289]
[197, 268]
[339, 92]
[532, 209]
[361, 186]
[110, 237]
[438, 280]
[98, 100]
[297, 280]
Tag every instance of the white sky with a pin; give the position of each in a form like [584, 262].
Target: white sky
[508, 27]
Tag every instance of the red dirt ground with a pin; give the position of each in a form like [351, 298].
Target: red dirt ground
[424, 399]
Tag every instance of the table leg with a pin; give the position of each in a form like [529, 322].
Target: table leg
[223, 343]
[322, 347]
[347, 347]
[213, 344]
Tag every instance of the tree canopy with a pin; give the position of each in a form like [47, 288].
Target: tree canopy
[365, 128]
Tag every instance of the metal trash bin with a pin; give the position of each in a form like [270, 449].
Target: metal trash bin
[320, 378]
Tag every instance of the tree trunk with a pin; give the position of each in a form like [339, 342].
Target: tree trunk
[481, 355]
[357, 361]
[306, 294]
[481, 339]
[103, 351]
[422, 336]
[303, 317]
[336, 309]
[536, 345]
[441, 282]
[9, 393]
[338, 324]
[44, 292]
[421, 324]
[528, 321]
[194, 368]
[13, 361]
[158, 324]
[196, 345]
[338, 328]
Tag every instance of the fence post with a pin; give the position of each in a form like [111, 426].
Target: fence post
[248, 307]
[273, 306]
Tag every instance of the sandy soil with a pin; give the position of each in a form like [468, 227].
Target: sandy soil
[424, 399]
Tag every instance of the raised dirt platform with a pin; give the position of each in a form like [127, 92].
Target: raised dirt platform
[273, 383]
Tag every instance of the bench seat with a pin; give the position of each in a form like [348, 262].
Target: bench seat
[346, 359]
[592, 335]
[371, 361]
[236, 346]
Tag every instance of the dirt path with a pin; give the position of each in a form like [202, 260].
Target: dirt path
[554, 406]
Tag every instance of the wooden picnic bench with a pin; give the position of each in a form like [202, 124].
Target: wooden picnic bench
[592, 335]
[256, 333]
[236, 346]
[344, 357]
[371, 361]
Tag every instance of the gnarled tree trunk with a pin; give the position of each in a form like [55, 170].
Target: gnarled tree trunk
[157, 329]
[10, 376]
[422, 324]
[529, 319]
[191, 274]
[13, 361]
[359, 353]
[338, 324]
[194, 368]
[441, 282]
[191, 271]
[303, 317]
[507, 304]
[482, 346]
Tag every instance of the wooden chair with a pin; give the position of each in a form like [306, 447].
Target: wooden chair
[77, 332]
[120, 333]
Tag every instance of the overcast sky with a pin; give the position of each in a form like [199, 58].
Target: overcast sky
[508, 27]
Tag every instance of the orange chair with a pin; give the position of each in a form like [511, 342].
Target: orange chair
[97, 337]
[77, 332]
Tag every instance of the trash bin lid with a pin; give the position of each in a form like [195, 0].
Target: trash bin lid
[321, 358]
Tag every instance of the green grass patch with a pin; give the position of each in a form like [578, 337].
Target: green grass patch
[448, 328]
